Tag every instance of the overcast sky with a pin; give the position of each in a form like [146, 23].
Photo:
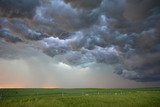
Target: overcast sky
[79, 43]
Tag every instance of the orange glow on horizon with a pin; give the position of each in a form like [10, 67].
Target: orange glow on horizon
[20, 86]
[12, 86]
[49, 87]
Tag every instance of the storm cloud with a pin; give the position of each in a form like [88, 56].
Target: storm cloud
[124, 34]
[18, 8]
[84, 4]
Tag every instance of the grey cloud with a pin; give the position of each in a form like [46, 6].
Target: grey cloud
[6, 49]
[18, 8]
[132, 16]
[84, 4]
[112, 32]
[132, 10]
[62, 15]
[17, 30]
[15, 51]
[141, 68]
[140, 61]
[113, 8]
[63, 51]
[106, 55]
[28, 33]
[139, 9]
[7, 35]
[54, 50]
[130, 41]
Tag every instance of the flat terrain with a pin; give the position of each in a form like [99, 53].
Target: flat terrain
[146, 97]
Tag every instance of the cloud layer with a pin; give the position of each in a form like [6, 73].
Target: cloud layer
[18, 8]
[124, 34]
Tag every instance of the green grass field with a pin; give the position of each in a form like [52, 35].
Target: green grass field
[149, 97]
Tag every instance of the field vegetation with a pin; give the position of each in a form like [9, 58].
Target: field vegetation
[146, 97]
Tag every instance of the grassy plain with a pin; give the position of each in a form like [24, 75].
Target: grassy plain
[144, 97]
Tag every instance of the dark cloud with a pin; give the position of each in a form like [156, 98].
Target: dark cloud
[18, 8]
[78, 51]
[141, 67]
[113, 8]
[64, 17]
[84, 4]
[121, 33]
[135, 39]
[139, 9]
[140, 59]
[17, 30]
[5, 34]
[26, 31]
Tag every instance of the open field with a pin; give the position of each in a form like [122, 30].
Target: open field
[148, 97]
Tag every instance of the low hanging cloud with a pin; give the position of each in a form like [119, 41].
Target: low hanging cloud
[7, 35]
[124, 34]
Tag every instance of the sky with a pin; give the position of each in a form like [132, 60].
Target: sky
[79, 43]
